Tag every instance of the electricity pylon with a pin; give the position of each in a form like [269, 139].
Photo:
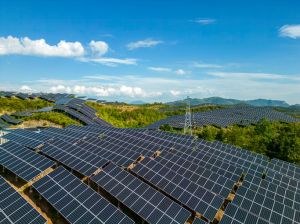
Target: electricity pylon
[188, 118]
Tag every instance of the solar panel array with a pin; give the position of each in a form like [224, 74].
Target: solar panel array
[173, 175]
[10, 119]
[77, 202]
[79, 110]
[22, 161]
[241, 115]
[14, 209]
[144, 200]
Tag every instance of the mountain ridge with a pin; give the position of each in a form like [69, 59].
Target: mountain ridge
[224, 101]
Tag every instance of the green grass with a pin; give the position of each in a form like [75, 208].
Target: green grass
[54, 117]
[11, 105]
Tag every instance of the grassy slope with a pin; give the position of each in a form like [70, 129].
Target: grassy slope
[11, 105]
[52, 117]
[132, 116]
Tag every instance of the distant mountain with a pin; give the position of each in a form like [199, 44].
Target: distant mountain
[137, 102]
[223, 101]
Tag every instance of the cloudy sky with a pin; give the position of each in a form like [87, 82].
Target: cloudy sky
[152, 50]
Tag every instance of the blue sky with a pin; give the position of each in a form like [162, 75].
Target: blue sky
[152, 50]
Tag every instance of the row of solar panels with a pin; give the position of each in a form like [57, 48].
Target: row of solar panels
[6, 120]
[77, 202]
[74, 107]
[198, 174]
[241, 115]
[78, 109]
[51, 97]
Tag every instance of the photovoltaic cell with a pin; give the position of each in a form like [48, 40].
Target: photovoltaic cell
[145, 201]
[74, 157]
[22, 161]
[182, 189]
[77, 202]
[14, 209]
[26, 138]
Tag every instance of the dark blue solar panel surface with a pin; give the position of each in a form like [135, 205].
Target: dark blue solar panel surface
[145, 201]
[14, 209]
[74, 157]
[22, 161]
[77, 202]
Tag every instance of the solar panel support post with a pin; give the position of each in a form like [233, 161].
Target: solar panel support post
[188, 118]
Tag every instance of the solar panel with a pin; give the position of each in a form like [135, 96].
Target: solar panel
[104, 148]
[264, 206]
[74, 157]
[10, 119]
[285, 168]
[209, 180]
[273, 191]
[14, 208]
[241, 115]
[145, 201]
[26, 138]
[64, 134]
[182, 189]
[235, 215]
[22, 161]
[77, 202]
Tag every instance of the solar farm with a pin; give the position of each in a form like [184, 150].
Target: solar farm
[239, 115]
[102, 174]
[97, 173]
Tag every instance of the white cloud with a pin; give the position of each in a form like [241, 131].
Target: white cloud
[292, 31]
[248, 75]
[160, 69]
[110, 61]
[143, 44]
[25, 88]
[182, 72]
[175, 92]
[205, 21]
[101, 91]
[205, 65]
[96, 49]
[99, 47]
[25, 46]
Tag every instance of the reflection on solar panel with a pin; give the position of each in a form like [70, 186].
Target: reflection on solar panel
[74, 157]
[242, 115]
[188, 193]
[76, 201]
[14, 209]
[26, 138]
[22, 161]
[145, 201]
